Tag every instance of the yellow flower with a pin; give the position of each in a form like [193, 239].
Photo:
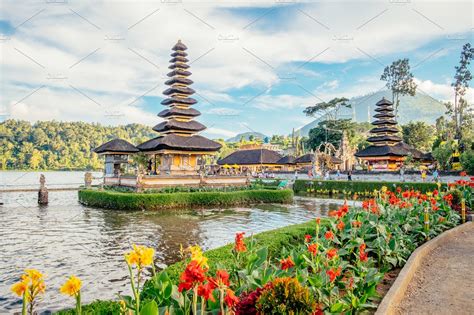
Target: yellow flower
[34, 275]
[384, 189]
[140, 256]
[72, 287]
[19, 288]
[196, 255]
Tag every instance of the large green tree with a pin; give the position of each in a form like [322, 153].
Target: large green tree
[419, 134]
[399, 80]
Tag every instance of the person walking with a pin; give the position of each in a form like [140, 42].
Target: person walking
[435, 175]
[349, 176]
[423, 175]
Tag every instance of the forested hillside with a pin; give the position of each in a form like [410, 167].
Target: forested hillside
[60, 145]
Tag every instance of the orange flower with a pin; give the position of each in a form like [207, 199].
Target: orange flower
[463, 173]
[331, 253]
[340, 226]
[313, 249]
[205, 291]
[356, 224]
[318, 221]
[230, 299]
[287, 263]
[329, 235]
[333, 273]
[240, 246]
[193, 274]
[362, 254]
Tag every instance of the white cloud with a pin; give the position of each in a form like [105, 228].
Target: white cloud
[442, 92]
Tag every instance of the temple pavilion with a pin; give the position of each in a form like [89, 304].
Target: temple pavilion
[387, 150]
[178, 150]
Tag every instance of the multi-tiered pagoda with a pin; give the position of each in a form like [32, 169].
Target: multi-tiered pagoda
[179, 149]
[387, 150]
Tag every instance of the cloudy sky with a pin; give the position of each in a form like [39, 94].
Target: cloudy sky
[256, 65]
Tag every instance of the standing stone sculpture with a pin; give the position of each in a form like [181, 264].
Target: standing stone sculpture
[88, 179]
[43, 191]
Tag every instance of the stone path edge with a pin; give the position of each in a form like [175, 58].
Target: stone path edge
[398, 289]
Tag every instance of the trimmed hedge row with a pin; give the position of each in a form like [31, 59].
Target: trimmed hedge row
[159, 201]
[351, 187]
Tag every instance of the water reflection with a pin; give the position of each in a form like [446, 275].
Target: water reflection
[66, 238]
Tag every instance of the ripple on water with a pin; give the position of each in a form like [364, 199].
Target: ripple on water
[67, 238]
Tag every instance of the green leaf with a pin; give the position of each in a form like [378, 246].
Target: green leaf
[151, 308]
[337, 307]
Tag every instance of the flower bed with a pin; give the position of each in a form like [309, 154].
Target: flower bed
[158, 201]
[360, 188]
[334, 268]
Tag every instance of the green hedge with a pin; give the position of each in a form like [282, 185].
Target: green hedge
[158, 201]
[359, 187]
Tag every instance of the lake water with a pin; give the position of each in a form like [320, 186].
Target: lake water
[67, 238]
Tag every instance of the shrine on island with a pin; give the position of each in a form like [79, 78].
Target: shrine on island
[387, 150]
[178, 150]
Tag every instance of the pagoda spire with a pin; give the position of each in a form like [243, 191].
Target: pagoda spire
[179, 115]
[385, 131]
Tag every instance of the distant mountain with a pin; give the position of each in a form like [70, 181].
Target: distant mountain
[421, 107]
[246, 136]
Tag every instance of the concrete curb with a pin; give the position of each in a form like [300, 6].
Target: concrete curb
[394, 296]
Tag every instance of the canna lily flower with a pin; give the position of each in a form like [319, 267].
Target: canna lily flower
[197, 256]
[240, 246]
[230, 299]
[318, 220]
[72, 287]
[205, 291]
[313, 249]
[287, 263]
[307, 238]
[20, 288]
[333, 273]
[140, 256]
[340, 226]
[356, 224]
[30, 286]
[222, 278]
[329, 235]
[463, 173]
[192, 275]
[362, 254]
[331, 253]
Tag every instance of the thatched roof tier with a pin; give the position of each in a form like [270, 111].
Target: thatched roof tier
[177, 71]
[383, 101]
[178, 100]
[175, 111]
[384, 122]
[178, 59]
[387, 115]
[288, 159]
[251, 157]
[182, 143]
[175, 125]
[384, 130]
[399, 149]
[335, 160]
[179, 46]
[179, 89]
[384, 139]
[179, 80]
[307, 158]
[116, 145]
[178, 66]
[179, 53]
[384, 109]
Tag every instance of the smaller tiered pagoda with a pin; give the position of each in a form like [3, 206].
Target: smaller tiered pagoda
[178, 150]
[387, 150]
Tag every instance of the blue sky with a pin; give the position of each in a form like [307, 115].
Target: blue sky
[256, 66]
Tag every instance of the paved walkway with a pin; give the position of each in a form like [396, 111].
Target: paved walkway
[444, 282]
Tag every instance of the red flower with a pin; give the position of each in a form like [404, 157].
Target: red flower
[331, 253]
[399, 189]
[463, 173]
[205, 291]
[340, 226]
[362, 254]
[333, 273]
[433, 201]
[192, 275]
[307, 238]
[222, 278]
[356, 224]
[230, 299]
[313, 249]
[435, 192]
[329, 235]
[239, 243]
[406, 194]
[287, 263]
[448, 198]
